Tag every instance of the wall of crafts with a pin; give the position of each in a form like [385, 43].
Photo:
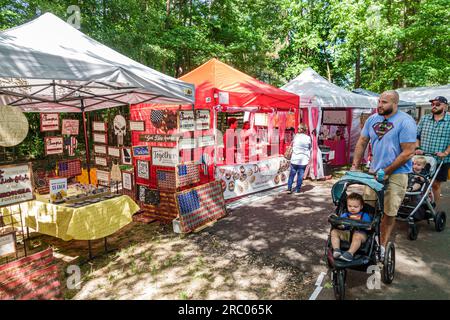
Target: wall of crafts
[173, 158]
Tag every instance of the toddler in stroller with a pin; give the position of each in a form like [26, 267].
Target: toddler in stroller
[364, 250]
[416, 179]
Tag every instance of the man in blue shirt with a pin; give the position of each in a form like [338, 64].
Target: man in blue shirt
[433, 136]
[392, 134]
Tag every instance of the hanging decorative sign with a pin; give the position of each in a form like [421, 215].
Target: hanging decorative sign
[70, 144]
[205, 141]
[120, 128]
[69, 168]
[166, 157]
[140, 151]
[114, 152]
[8, 244]
[101, 161]
[126, 156]
[13, 126]
[15, 184]
[261, 119]
[143, 169]
[49, 122]
[70, 127]
[186, 143]
[53, 145]
[127, 181]
[100, 149]
[202, 121]
[103, 177]
[186, 121]
[101, 138]
[158, 137]
[137, 125]
[99, 126]
[164, 119]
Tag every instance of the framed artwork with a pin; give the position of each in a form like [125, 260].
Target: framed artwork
[334, 117]
[70, 127]
[100, 138]
[143, 169]
[100, 149]
[99, 126]
[140, 151]
[137, 125]
[127, 180]
[103, 177]
[126, 155]
[54, 145]
[114, 152]
[49, 122]
[100, 161]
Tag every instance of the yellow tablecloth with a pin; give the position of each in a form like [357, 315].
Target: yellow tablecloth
[90, 222]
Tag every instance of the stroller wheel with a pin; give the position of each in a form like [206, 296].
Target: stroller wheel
[413, 232]
[339, 283]
[439, 221]
[389, 263]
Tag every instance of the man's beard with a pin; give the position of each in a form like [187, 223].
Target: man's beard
[385, 112]
[437, 111]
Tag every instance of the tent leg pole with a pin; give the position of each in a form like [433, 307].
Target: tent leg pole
[86, 144]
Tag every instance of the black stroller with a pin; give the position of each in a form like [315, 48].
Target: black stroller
[419, 205]
[369, 253]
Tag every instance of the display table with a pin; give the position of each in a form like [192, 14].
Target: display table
[90, 222]
[339, 148]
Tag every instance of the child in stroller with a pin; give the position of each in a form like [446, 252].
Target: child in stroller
[369, 252]
[418, 203]
[355, 204]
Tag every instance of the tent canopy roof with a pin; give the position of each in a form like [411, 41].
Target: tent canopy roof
[48, 65]
[219, 84]
[401, 104]
[317, 91]
[422, 95]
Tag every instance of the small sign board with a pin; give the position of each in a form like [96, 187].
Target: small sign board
[166, 157]
[15, 184]
[186, 121]
[49, 122]
[137, 126]
[8, 244]
[140, 151]
[54, 145]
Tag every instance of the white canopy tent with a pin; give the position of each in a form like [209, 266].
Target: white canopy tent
[318, 93]
[47, 65]
[421, 95]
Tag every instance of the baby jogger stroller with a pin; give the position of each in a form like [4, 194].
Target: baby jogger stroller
[369, 252]
[419, 205]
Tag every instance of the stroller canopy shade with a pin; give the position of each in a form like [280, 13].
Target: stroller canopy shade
[356, 178]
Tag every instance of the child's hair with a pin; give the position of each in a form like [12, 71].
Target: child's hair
[356, 196]
[422, 160]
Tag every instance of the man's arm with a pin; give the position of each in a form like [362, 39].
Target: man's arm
[361, 146]
[408, 149]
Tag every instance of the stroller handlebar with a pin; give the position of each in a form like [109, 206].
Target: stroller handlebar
[338, 221]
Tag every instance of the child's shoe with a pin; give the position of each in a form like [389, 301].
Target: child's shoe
[346, 256]
[337, 253]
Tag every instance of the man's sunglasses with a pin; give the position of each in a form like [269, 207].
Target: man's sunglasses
[434, 104]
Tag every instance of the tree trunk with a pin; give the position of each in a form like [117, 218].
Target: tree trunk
[358, 67]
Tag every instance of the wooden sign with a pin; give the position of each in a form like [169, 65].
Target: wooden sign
[126, 156]
[205, 141]
[202, 121]
[140, 151]
[114, 152]
[8, 244]
[186, 121]
[100, 149]
[15, 184]
[70, 127]
[101, 138]
[166, 157]
[143, 169]
[99, 126]
[101, 161]
[127, 180]
[49, 122]
[137, 125]
[103, 177]
[53, 145]
[186, 143]
[158, 137]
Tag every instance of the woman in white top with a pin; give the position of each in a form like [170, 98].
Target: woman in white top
[301, 153]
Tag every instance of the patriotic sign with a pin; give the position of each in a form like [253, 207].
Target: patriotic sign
[143, 169]
[70, 144]
[166, 179]
[186, 121]
[187, 174]
[53, 145]
[69, 168]
[202, 120]
[49, 122]
[164, 120]
[200, 205]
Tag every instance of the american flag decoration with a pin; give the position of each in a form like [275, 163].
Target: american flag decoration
[166, 179]
[156, 117]
[205, 160]
[69, 168]
[200, 205]
[187, 174]
[70, 144]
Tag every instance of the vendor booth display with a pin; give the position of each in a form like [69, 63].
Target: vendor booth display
[74, 73]
[332, 115]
